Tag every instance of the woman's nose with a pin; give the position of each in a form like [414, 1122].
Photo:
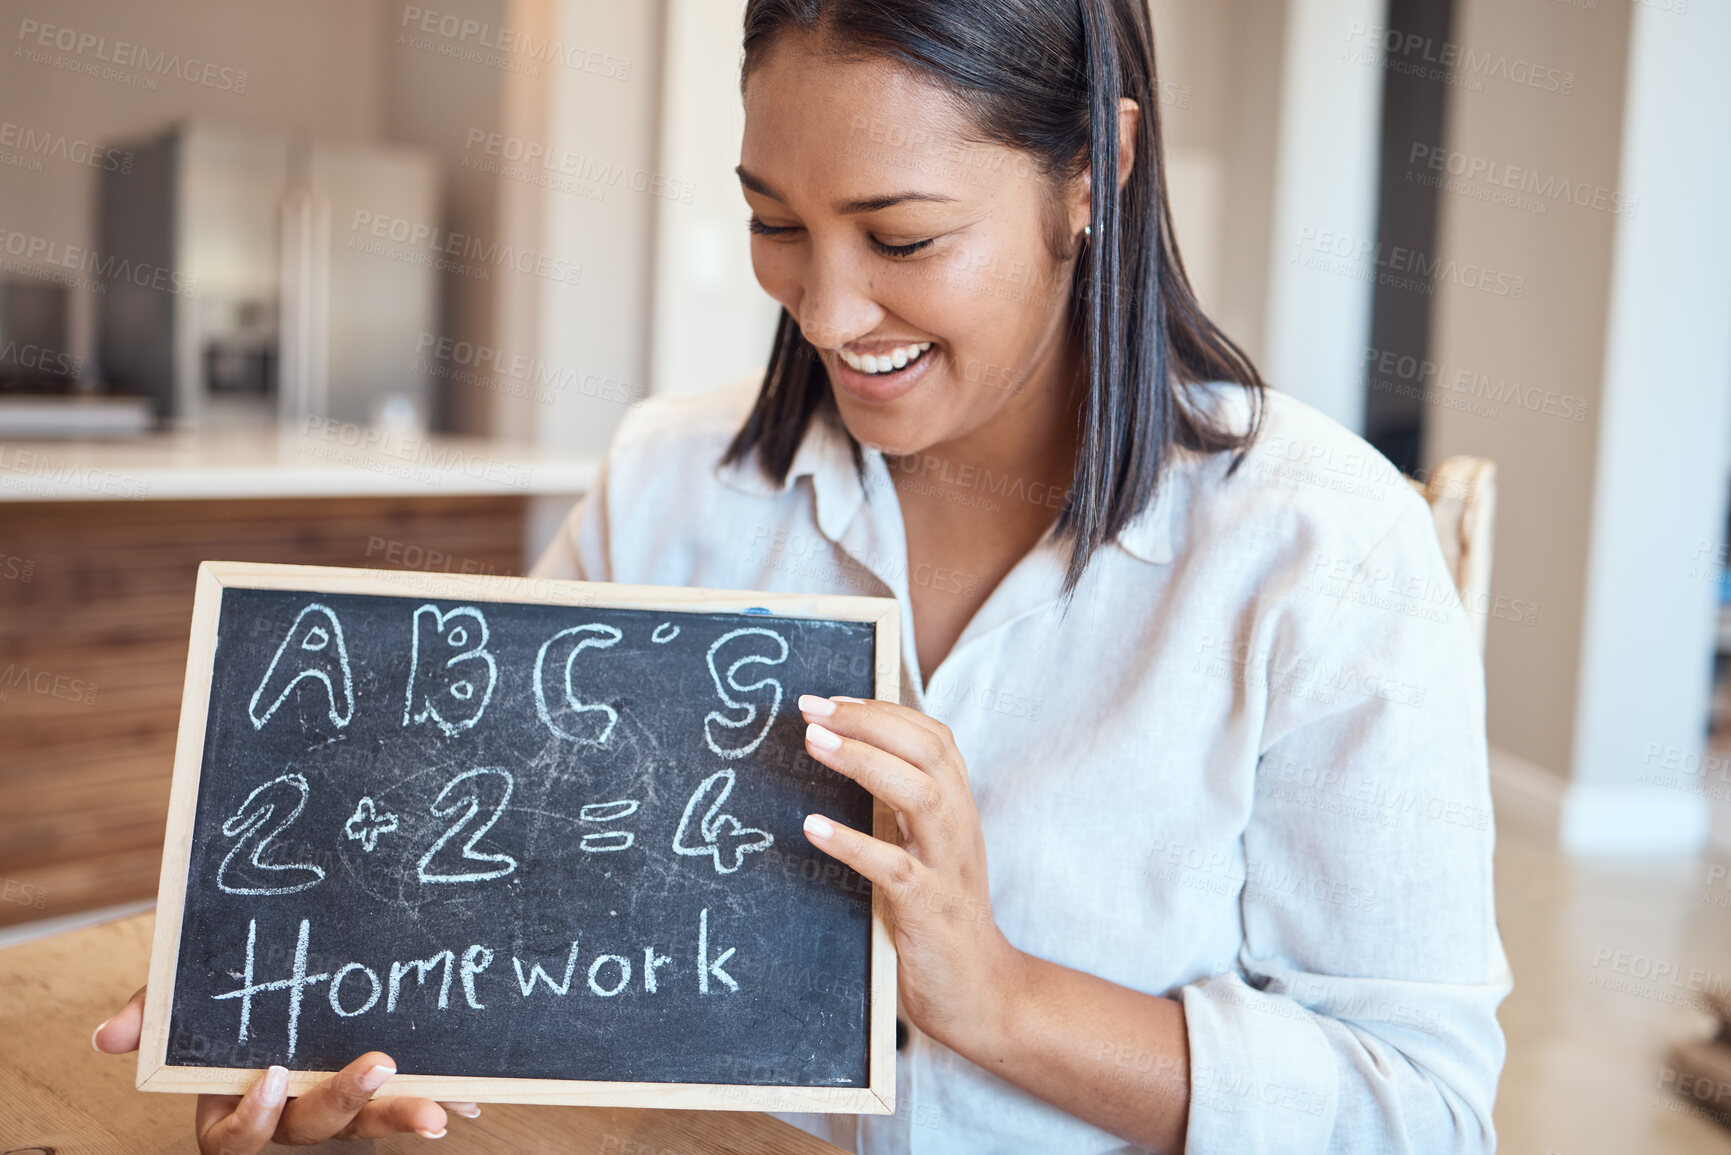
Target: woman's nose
[836, 304]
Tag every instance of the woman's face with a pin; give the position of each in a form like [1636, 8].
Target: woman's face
[890, 236]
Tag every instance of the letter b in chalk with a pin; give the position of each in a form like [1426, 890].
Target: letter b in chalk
[451, 671]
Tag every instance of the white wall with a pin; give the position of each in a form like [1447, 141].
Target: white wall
[1323, 259]
[1659, 485]
[596, 331]
[712, 321]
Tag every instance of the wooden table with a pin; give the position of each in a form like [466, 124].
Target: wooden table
[57, 1094]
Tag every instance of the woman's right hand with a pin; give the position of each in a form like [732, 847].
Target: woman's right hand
[342, 1107]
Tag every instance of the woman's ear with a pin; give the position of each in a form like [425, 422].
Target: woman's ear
[1129, 128]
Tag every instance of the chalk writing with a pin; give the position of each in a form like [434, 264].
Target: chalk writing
[605, 841]
[725, 840]
[366, 824]
[463, 793]
[251, 819]
[598, 717]
[718, 718]
[321, 652]
[458, 698]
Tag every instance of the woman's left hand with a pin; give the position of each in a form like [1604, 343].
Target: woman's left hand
[955, 968]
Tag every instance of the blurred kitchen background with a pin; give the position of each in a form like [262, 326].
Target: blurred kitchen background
[366, 283]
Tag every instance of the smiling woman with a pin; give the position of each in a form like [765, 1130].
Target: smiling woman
[1167, 873]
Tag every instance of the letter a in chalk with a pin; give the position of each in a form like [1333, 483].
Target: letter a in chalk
[313, 650]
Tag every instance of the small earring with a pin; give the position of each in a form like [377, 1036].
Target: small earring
[1087, 230]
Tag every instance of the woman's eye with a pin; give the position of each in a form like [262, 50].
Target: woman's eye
[907, 250]
[758, 228]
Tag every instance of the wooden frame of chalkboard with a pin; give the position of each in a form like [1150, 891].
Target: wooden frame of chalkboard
[158, 1072]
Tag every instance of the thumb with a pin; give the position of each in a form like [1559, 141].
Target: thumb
[120, 1034]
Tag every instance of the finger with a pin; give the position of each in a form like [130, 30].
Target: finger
[887, 866]
[466, 1110]
[911, 792]
[398, 1116]
[908, 734]
[120, 1034]
[897, 710]
[242, 1126]
[332, 1105]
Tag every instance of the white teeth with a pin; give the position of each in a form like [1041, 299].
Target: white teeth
[884, 363]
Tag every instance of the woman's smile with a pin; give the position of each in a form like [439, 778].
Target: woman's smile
[877, 373]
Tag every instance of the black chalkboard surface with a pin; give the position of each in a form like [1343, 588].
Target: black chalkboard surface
[539, 841]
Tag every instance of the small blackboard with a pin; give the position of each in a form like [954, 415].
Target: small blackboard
[540, 841]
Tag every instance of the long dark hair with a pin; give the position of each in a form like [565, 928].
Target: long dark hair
[1045, 77]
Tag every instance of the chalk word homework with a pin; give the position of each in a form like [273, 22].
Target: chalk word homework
[355, 988]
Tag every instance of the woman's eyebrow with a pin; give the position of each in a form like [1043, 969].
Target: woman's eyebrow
[864, 205]
[873, 204]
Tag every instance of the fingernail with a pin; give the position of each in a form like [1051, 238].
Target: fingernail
[468, 1111]
[275, 1087]
[96, 1032]
[821, 738]
[439, 1134]
[375, 1077]
[812, 704]
[818, 826]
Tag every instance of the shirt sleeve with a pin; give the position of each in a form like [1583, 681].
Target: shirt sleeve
[579, 551]
[1362, 1013]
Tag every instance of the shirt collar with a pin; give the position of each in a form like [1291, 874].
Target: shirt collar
[826, 456]
[1149, 534]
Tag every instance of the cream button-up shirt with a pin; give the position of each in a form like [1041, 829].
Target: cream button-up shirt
[1245, 767]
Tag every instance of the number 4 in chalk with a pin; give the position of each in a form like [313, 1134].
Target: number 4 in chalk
[725, 839]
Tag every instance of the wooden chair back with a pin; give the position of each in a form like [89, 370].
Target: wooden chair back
[1462, 492]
